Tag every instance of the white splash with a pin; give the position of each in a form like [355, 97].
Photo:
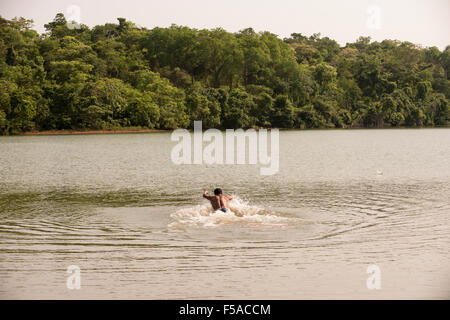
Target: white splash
[241, 212]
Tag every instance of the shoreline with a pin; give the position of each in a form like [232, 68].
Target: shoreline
[78, 132]
[72, 132]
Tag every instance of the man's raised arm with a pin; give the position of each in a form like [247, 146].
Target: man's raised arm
[206, 195]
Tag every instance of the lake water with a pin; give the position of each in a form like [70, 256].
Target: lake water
[137, 227]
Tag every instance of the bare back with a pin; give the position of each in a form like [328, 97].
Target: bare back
[218, 201]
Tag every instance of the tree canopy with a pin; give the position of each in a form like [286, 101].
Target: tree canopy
[122, 75]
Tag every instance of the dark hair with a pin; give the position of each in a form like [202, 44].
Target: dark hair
[217, 191]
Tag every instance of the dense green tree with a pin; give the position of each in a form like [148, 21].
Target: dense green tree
[202, 105]
[120, 75]
[236, 112]
[283, 112]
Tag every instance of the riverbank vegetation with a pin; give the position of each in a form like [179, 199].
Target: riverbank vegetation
[121, 75]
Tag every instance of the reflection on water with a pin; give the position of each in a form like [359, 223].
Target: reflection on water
[137, 226]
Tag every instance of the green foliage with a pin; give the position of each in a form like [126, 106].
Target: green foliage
[119, 75]
[202, 104]
[236, 111]
[283, 112]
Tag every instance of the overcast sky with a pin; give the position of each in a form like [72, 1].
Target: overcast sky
[424, 22]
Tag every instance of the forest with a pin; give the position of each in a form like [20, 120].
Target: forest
[120, 75]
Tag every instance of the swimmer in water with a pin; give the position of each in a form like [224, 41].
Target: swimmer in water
[218, 200]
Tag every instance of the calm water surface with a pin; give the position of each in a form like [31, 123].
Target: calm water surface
[137, 227]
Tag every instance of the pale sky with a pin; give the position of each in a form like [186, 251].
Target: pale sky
[424, 22]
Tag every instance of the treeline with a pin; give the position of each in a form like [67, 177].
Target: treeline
[121, 75]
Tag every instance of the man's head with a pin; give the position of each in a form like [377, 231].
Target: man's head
[217, 191]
